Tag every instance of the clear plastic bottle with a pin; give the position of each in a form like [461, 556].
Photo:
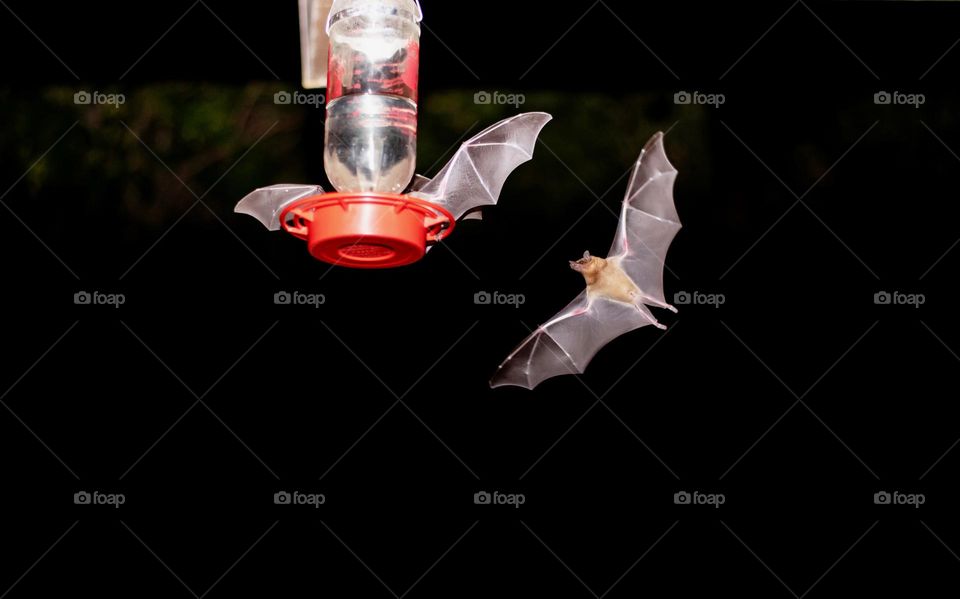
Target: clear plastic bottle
[371, 128]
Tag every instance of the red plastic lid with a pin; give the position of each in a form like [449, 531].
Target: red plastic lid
[367, 230]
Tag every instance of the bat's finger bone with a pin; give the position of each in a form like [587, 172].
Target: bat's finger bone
[646, 299]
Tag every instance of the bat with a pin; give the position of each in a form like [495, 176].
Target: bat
[267, 203]
[472, 179]
[475, 175]
[618, 288]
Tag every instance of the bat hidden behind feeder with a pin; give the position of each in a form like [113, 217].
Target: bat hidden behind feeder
[381, 214]
[618, 288]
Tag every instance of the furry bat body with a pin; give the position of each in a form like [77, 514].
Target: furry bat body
[619, 287]
[606, 278]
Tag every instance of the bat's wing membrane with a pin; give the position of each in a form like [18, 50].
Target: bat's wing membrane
[418, 183]
[266, 204]
[648, 225]
[473, 178]
[567, 342]
[475, 175]
[648, 222]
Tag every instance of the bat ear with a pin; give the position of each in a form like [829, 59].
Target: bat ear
[586, 254]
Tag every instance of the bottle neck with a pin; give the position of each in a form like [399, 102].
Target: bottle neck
[378, 11]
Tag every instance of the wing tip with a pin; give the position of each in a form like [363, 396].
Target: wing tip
[654, 140]
[494, 384]
[545, 118]
[540, 119]
[499, 380]
[652, 164]
[263, 205]
[246, 207]
[655, 146]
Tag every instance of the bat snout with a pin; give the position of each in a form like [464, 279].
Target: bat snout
[581, 264]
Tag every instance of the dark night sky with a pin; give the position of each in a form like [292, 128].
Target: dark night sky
[798, 399]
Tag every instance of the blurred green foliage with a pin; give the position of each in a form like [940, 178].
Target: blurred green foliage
[127, 162]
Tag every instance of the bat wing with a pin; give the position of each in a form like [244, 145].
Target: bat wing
[648, 222]
[567, 342]
[418, 183]
[475, 175]
[266, 204]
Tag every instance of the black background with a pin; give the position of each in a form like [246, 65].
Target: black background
[798, 399]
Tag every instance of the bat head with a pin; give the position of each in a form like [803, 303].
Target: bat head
[589, 266]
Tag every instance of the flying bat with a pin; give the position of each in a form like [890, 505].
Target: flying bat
[472, 179]
[475, 175]
[618, 288]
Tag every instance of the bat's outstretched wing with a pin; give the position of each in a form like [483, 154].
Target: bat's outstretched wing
[648, 222]
[266, 204]
[567, 342]
[475, 175]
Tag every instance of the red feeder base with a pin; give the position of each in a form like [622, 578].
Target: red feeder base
[367, 230]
